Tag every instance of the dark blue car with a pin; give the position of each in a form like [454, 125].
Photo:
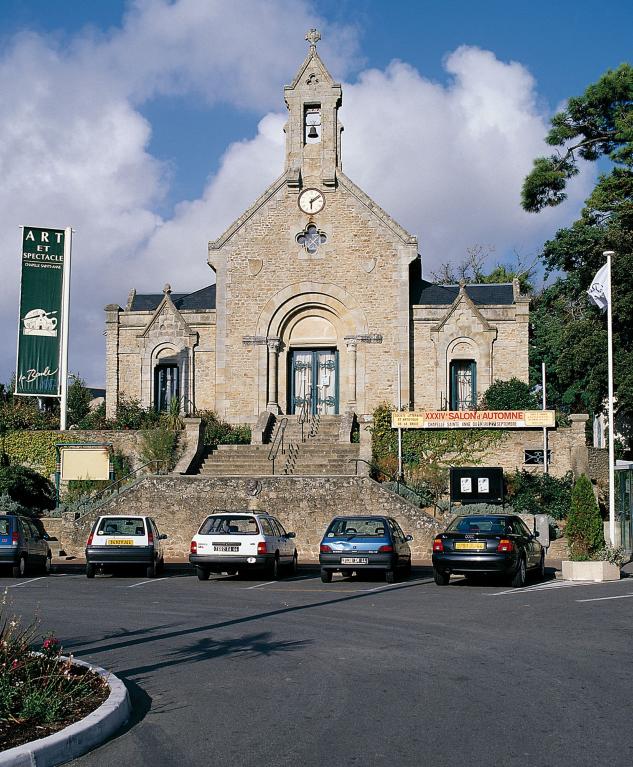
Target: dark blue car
[365, 543]
[23, 545]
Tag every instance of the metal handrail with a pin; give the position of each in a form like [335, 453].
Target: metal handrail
[303, 417]
[116, 485]
[278, 442]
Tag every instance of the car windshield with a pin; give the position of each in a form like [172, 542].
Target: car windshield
[128, 526]
[5, 526]
[229, 524]
[493, 525]
[365, 528]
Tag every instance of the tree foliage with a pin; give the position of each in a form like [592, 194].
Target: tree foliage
[27, 487]
[509, 395]
[567, 332]
[474, 269]
[584, 524]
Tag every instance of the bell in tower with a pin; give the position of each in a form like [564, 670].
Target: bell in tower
[313, 132]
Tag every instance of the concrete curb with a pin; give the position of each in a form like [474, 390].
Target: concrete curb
[78, 738]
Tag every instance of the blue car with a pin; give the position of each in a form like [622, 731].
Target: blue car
[23, 545]
[359, 544]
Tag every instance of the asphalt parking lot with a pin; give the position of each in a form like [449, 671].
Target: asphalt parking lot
[296, 672]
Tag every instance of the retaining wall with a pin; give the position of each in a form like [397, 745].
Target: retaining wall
[304, 505]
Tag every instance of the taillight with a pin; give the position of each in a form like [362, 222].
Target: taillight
[90, 537]
[15, 538]
[325, 549]
[193, 549]
[438, 545]
[261, 548]
[385, 549]
[505, 545]
[150, 538]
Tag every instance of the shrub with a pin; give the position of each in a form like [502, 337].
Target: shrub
[130, 415]
[40, 688]
[584, 524]
[509, 395]
[218, 432]
[27, 487]
[96, 419]
[538, 493]
[159, 446]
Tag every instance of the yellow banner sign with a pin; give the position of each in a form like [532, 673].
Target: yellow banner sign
[473, 419]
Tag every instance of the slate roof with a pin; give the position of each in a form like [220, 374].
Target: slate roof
[430, 294]
[201, 299]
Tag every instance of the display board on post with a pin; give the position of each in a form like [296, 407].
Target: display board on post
[42, 349]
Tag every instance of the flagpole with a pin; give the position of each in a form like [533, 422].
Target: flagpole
[608, 254]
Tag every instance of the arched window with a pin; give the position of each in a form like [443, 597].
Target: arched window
[166, 386]
[463, 380]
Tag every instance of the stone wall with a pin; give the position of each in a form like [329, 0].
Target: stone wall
[599, 465]
[303, 504]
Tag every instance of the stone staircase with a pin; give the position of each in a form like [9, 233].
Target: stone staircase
[319, 454]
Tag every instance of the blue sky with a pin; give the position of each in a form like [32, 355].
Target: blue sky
[190, 139]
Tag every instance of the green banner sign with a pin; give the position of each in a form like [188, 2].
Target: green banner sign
[40, 331]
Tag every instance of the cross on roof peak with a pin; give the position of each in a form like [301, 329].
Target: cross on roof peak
[313, 36]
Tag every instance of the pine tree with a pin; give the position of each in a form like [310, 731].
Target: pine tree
[584, 524]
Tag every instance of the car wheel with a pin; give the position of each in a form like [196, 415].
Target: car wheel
[391, 576]
[160, 567]
[203, 573]
[47, 565]
[275, 570]
[406, 570]
[440, 577]
[151, 570]
[90, 570]
[293, 564]
[19, 570]
[520, 574]
[326, 576]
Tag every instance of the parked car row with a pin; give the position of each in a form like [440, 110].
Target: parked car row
[237, 542]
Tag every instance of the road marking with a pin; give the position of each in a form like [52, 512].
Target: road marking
[25, 583]
[397, 585]
[603, 599]
[144, 583]
[259, 585]
[543, 587]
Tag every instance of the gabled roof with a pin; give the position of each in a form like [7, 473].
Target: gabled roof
[200, 299]
[429, 294]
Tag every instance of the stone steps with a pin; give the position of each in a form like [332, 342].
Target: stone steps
[301, 458]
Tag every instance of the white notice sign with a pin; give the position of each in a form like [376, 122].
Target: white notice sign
[483, 485]
[466, 485]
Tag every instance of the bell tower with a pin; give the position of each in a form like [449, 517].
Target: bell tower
[313, 132]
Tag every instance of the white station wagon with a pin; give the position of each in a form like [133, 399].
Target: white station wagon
[232, 541]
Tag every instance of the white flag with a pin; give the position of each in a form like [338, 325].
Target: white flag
[600, 291]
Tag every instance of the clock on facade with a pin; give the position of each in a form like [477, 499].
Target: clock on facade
[311, 201]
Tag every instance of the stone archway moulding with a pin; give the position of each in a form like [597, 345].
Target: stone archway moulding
[302, 295]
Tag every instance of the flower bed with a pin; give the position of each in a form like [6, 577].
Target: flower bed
[41, 691]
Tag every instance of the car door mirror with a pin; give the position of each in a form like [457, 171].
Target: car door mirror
[162, 537]
[291, 535]
[408, 538]
[536, 533]
[46, 537]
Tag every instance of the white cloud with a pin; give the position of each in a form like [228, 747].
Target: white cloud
[445, 161]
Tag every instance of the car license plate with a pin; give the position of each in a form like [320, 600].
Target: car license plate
[119, 542]
[470, 546]
[226, 548]
[354, 560]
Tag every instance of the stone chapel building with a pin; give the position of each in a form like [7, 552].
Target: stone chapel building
[318, 299]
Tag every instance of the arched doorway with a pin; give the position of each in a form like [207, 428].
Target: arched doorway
[313, 365]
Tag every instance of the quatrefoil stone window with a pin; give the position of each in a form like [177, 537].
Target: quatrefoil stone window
[311, 238]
